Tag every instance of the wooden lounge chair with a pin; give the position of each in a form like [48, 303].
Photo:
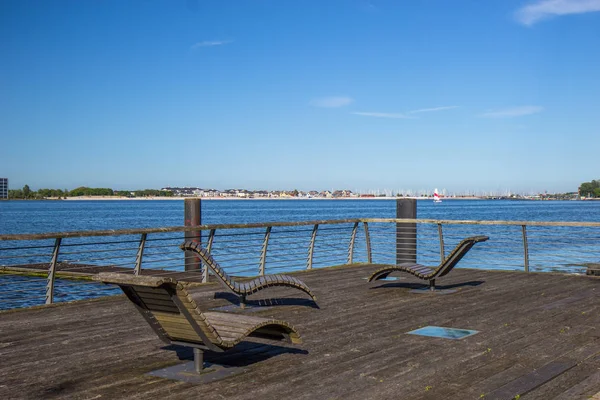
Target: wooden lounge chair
[429, 273]
[176, 318]
[246, 288]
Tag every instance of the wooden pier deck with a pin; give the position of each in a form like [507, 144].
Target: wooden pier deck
[539, 336]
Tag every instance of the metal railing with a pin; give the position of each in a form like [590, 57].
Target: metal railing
[45, 268]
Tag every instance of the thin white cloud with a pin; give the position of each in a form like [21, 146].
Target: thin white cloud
[331, 102]
[405, 115]
[210, 43]
[432, 109]
[544, 9]
[369, 6]
[383, 115]
[512, 112]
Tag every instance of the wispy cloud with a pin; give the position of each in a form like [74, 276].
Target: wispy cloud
[432, 109]
[404, 115]
[513, 112]
[383, 115]
[543, 9]
[210, 43]
[368, 5]
[331, 102]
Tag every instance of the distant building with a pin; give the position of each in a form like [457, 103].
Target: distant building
[3, 188]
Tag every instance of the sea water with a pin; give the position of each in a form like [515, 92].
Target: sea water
[17, 217]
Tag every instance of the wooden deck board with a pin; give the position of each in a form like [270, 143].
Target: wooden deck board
[354, 345]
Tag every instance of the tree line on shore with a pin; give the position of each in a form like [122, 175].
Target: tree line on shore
[590, 189]
[27, 193]
[586, 189]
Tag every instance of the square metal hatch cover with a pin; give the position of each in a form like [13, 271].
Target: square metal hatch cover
[441, 332]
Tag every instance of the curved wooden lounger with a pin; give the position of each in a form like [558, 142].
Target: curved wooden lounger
[246, 288]
[176, 318]
[430, 273]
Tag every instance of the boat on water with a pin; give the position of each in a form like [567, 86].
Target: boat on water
[436, 196]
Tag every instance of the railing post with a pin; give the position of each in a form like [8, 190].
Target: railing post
[263, 252]
[138, 259]
[406, 233]
[192, 217]
[525, 248]
[211, 238]
[441, 236]
[52, 272]
[352, 240]
[368, 243]
[311, 248]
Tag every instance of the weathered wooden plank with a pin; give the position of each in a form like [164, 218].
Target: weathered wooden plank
[165, 308]
[164, 304]
[532, 380]
[355, 343]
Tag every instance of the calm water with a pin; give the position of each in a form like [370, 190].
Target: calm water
[54, 216]
[57, 216]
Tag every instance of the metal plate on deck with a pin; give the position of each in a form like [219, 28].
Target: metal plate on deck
[186, 372]
[441, 332]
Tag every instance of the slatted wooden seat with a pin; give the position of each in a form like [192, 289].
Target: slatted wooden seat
[430, 273]
[246, 288]
[176, 318]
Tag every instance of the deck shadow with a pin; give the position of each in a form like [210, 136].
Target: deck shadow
[243, 355]
[421, 286]
[286, 301]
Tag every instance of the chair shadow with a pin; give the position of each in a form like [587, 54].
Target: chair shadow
[286, 301]
[411, 285]
[242, 355]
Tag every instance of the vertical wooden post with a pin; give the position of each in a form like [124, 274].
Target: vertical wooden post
[368, 243]
[140, 254]
[192, 217]
[263, 252]
[352, 240]
[525, 249]
[441, 236]
[311, 249]
[52, 272]
[406, 233]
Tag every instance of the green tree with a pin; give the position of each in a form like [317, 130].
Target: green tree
[15, 194]
[589, 188]
[86, 191]
[26, 191]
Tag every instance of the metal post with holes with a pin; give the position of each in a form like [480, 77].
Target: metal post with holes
[525, 248]
[352, 240]
[441, 236]
[192, 217]
[368, 243]
[52, 272]
[406, 233]
[140, 254]
[263, 252]
[211, 238]
[311, 248]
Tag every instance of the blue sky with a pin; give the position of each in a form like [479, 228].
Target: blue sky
[472, 95]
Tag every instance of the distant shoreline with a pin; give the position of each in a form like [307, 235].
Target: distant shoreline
[120, 198]
[109, 198]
